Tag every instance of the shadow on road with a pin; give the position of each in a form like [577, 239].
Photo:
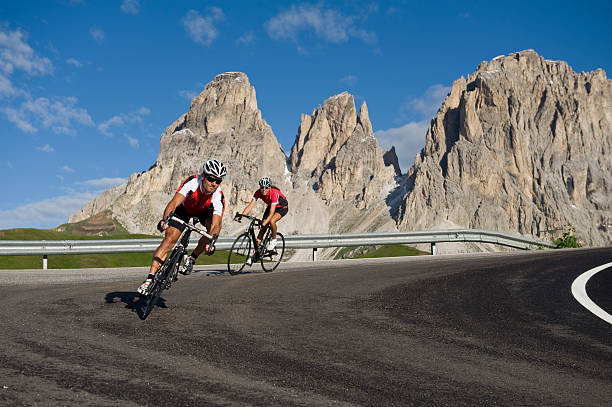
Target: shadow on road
[131, 299]
[214, 273]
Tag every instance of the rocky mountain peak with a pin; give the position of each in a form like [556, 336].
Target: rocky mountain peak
[337, 149]
[321, 134]
[523, 145]
[223, 122]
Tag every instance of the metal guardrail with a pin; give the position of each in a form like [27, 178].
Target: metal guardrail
[56, 247]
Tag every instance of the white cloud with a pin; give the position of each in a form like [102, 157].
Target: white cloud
[115, 121]
[16, 54]
[349, 80]
[408, 141]
[55, 211]
[133, 141]
[202, 29]
[123, 120]
[104, 183]
[97, 34]
[138, 115]
[67, 169]
[6, 87]
[18, 119]
[248, 38]
[428, 104]
[74, 62]
[130, 6]
[46, 148]
[46, 213]
[327, 24]
[59, 115]
[188, 94]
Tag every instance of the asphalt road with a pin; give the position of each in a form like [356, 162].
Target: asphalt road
[470, 330]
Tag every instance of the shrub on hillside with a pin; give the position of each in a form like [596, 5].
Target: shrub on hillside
[568, 240]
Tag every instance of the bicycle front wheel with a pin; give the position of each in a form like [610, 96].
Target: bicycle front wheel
[151, 299]
[270, 259]
[160, 282]
[240, 251]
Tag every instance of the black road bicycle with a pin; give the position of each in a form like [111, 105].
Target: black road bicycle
[167, 273]
[246, 245]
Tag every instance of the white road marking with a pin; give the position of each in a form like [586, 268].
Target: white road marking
[579, 292]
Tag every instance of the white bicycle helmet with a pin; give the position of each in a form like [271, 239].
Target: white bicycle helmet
[265, 182]
[215, 168]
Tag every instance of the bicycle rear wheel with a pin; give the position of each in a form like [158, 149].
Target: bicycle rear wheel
[270, 259]
[240, 251]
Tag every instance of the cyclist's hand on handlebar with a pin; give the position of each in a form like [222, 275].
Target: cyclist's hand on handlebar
[238, 217]
[163, 224]
[210, 247]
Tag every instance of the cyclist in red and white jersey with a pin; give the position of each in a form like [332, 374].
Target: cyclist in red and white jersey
[198, 196]
[278, 206]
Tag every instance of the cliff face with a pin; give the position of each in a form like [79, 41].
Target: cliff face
[224, 122]
[522, 145]
[337, 154]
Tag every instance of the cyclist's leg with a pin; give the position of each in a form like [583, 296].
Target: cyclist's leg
[279, 213]
[160, 254]
[262, 230]
[275, 218]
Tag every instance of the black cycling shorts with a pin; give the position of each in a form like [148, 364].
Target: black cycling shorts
[181, 213]
[282, 210]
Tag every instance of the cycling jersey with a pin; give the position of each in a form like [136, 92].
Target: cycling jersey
[197, 202]
[274, 197]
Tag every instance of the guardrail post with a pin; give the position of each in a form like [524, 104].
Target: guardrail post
[44, 261]
[314, 254]
[433, 248]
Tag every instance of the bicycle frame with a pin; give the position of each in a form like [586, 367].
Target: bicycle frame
[251, 230]
[169, 270]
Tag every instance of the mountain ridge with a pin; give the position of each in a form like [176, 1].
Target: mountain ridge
[512, 148]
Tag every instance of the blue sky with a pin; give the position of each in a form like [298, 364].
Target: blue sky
[88, 87]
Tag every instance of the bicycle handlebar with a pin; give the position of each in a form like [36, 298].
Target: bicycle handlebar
[203, 232]
[256, 221]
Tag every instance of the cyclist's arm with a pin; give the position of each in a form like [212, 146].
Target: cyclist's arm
[215, 228]
[176, 201]
[269, 218]
[215, 225]
[249, 207]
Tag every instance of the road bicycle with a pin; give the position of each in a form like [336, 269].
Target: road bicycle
[167, 273]
[246, 245]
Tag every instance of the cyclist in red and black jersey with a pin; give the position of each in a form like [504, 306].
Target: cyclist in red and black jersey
[278, 206]
[198, 196]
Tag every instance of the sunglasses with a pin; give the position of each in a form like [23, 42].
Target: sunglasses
[213, 180]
